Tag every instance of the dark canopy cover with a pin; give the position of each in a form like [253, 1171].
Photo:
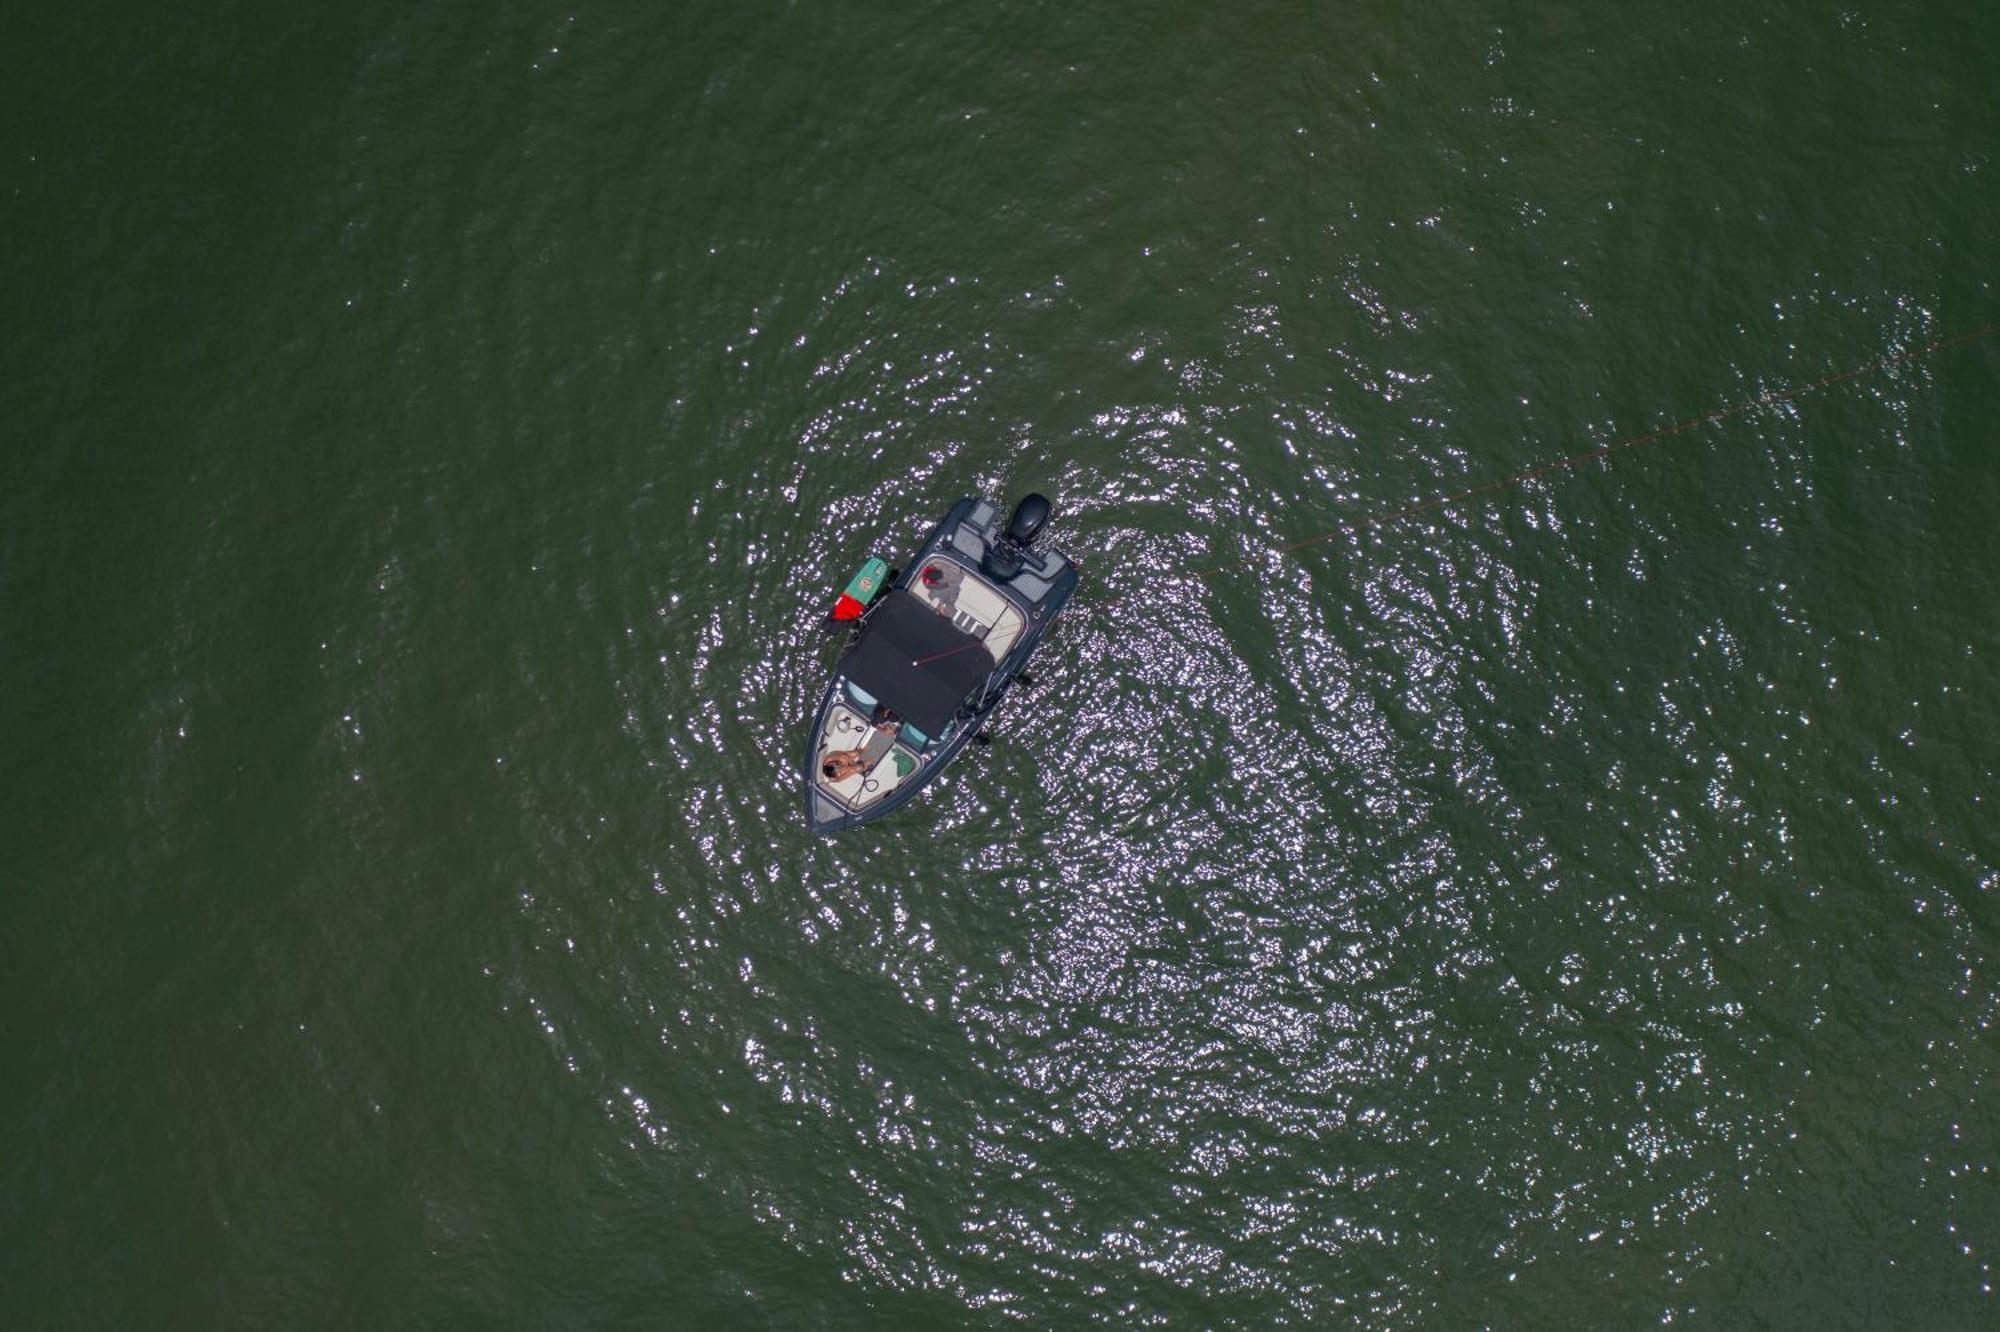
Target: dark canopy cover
[916, 661]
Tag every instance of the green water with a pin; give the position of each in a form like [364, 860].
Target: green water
[433, 435]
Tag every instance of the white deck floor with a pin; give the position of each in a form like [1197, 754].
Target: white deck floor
[977, 609]
[846, 728]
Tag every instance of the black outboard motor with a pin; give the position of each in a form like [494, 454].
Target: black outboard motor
[1009, 553]
[1029, 516]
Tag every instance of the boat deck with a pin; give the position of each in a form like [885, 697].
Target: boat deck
[971, 604]
[890, 762]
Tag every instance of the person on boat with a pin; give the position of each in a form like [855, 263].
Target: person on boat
[942, 581]
[841, 764]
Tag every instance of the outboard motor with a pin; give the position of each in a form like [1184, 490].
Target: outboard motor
[1029, 516]
[1008, 554]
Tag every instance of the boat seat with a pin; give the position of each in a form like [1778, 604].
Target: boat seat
[878, 745]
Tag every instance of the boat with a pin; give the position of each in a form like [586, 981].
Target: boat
[936, 646]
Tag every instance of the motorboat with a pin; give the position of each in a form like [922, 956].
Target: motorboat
[936, 645]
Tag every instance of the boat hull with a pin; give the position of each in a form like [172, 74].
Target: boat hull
[1014, 611]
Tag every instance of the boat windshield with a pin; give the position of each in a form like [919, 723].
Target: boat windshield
[909, 735]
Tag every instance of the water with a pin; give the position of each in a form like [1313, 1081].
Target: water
[434, 437]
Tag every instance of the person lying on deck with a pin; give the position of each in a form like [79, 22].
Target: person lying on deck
[841, 764]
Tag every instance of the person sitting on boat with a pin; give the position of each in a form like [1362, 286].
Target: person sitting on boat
[941, 582]
[841, 764]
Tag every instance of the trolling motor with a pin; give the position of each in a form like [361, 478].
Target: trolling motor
[1010, 552]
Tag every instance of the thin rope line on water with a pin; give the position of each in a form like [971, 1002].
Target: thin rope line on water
[1605, 450]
